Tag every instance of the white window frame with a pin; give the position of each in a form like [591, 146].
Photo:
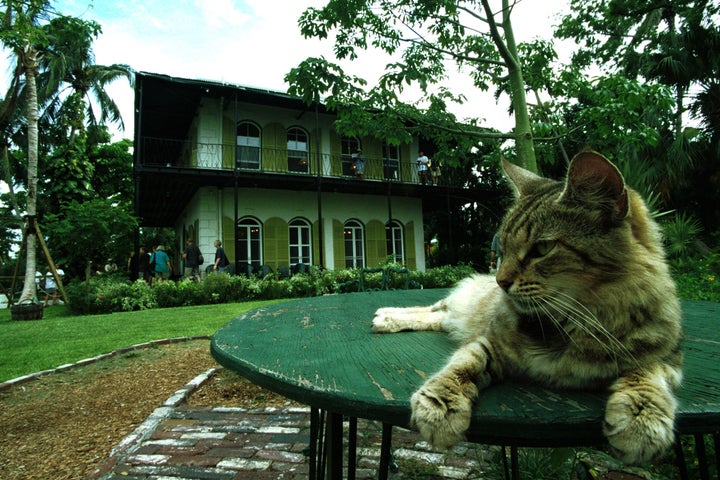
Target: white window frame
[252, 238]
[300, 251]
[354, 244]
[395, 239]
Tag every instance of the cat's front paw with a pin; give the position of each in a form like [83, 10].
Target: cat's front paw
[440, 414]
[636, 429]
[384, 322]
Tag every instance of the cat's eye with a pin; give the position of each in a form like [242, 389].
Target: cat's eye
[542, 248]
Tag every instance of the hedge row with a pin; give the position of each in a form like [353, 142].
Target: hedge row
[105, 294]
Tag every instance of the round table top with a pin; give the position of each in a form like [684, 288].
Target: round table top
[321, 351]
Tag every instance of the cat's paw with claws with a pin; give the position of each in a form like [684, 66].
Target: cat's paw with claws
[637, 430]
[440, 414]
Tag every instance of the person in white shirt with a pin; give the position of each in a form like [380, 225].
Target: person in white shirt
[51, 288]
[422, 166]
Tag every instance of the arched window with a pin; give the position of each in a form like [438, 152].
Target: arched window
[300, 242]
[354, 244]
[350, 146]
[249, 238]
[395, 242]
[247, 153]
[391, 161]
[298, 150]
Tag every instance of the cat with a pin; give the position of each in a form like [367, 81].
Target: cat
[583, 299]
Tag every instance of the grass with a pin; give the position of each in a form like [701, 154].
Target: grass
[60, 338]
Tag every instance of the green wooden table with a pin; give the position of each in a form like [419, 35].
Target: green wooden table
[321, 351]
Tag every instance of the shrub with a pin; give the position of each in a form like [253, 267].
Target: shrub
[166, 294]
[216, 288]
[242, 288]
[106, 293]
[698, 278]
[443, 277]
[271, 288]
[141, 297]
[302, 285]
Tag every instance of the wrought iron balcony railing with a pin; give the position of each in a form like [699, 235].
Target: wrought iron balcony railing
[186, 154]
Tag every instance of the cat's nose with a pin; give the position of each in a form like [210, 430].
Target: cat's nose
[504, 283]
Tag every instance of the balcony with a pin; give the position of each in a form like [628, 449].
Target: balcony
[158, 152]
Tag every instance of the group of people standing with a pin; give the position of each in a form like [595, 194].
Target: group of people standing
[158, 267]
[428, 171]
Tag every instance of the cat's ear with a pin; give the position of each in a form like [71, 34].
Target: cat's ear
[593, 179]
[519, 177]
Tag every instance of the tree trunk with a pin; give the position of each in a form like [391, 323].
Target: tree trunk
[524, 142]
[29, 292]
[507, 48]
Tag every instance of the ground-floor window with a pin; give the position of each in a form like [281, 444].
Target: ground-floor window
[354, 245]
[300, 242]
[249, 238]
[395, 242]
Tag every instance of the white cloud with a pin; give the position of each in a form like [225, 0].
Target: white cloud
[247, 42]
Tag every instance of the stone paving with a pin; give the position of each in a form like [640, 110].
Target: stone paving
[180, 442]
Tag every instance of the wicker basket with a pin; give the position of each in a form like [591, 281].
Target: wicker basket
[27, 311]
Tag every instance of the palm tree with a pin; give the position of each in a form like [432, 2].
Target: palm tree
[21, 33]
[69, 74]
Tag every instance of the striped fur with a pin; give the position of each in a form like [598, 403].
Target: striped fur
[583, 300]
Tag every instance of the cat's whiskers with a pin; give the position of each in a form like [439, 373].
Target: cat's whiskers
[580, 321]
[548, 314]
[583, 318]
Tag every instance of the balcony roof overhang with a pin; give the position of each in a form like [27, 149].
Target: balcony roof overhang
[165, 106]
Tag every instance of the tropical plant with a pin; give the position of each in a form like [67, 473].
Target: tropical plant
[428, 37]
[20, 31]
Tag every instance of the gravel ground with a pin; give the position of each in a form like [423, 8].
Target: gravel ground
[62, 425]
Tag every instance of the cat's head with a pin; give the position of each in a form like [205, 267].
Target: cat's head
[565, 240]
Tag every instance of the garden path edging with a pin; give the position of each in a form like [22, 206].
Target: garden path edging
[8, 384]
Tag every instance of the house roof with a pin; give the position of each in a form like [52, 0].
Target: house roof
[165, 106]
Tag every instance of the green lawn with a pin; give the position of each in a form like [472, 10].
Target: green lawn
[60, 338]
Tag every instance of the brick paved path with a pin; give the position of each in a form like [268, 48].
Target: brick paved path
[182, 442]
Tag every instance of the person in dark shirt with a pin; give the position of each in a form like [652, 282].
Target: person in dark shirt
[221, 260]
[191, 255]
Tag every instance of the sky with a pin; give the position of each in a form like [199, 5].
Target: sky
[251, 43]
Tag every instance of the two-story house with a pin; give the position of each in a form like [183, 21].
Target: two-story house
[270, 177]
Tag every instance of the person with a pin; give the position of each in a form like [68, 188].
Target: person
[221, 260]
[192, 255]
[495, 253]
[163, 267]
[435, 166]
[51, 287]
[139, 265]
[110, 266]
[422, 166]
[360, 165]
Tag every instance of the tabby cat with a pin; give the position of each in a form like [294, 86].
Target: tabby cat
[583, 300]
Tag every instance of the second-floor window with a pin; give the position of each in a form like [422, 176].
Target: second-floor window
[350, 146]
[297, 150]
[300, 245]
[391, 161]
[247, 152]
[354, 245]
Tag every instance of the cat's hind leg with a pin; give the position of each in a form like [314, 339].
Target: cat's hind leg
[640, 413]
[396, 319]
